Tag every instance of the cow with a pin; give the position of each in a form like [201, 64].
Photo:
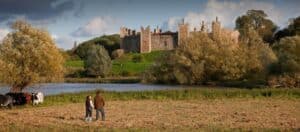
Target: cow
[37, 98]
[18, 98]
[6, 101]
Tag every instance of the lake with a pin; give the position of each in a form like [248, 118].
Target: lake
[57, 88]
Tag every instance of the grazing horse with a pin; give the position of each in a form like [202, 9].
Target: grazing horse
[20, 98]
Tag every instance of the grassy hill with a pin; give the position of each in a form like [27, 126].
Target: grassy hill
[130, 64]
[109, 42]
[134, 63]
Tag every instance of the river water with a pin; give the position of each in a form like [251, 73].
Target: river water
[58, 88]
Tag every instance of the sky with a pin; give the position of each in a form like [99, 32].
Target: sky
[79, 20]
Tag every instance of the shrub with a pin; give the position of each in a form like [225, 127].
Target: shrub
[109, 42]
[137, 58]
[288, 53]
[75, 72]
[286, 72]
[97, 62]
[125, 73]
[117, 53]
[286, 81]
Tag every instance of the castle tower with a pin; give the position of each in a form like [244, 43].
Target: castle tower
[216, 28]
[123, 33]
[203, 28]
[183, 32]
[157, 30]
[145, 41]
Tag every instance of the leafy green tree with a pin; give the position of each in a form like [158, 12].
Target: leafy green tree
[286, 72]
[28, 55]
[292, 29]
[257, 20]
[110, 43]
[97, 61]
[288, 53]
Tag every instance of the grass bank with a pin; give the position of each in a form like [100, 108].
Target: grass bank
[130, 64]
[134, 63]
[180, 94]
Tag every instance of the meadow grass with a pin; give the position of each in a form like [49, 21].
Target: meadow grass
[201, 93]
[74, 63]
[125, 65]
[72, 128]
[178, 94]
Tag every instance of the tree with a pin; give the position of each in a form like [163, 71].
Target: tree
[201, 59]
[286, 72]
[110, 43]
[288, 53]
[292, 29]
[97, 61]
[257, 20]
[28, 55]
[258, 55]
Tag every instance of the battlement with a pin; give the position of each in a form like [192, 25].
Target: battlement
[127, 32]
[147, 41]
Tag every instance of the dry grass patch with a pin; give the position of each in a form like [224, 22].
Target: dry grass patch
[164, 115]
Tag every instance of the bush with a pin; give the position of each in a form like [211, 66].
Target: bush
[117, 53]
[97, 62]
[74, 72]
[288, 53]
[125, 73]
[137, 58]
[286, 72]
[109, 42]
[286, 81]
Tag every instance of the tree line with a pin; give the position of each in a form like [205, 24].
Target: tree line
[262, 56]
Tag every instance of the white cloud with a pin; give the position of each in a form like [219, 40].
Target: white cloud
[228, 11]
[171, 24]
[97, 26]
[54, 36]
[64, 42]
[3, 33]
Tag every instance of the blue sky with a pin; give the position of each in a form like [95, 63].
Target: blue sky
[80, 20]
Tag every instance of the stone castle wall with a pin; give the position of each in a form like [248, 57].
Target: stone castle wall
[146, 41]
[183, 32]
[163, 42]
[131, 43]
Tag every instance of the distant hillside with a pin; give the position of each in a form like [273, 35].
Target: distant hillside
[110, 43]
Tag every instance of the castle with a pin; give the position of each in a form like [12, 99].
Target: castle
[146, 41]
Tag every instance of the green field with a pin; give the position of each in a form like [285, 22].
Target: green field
[199, 93]
[126, 65]
[74, 63]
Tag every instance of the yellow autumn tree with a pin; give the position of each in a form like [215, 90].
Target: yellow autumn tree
[202, 58]
[28, 55]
